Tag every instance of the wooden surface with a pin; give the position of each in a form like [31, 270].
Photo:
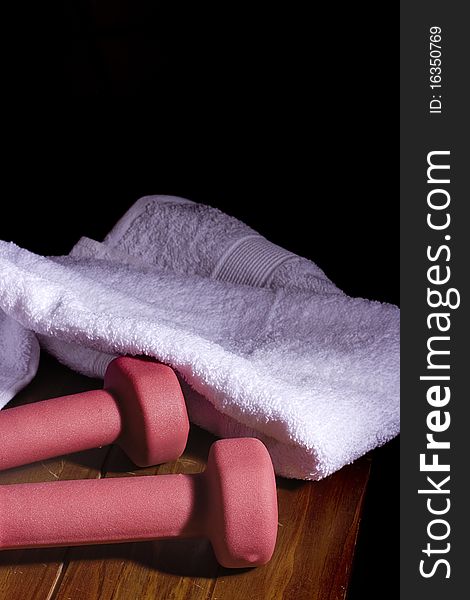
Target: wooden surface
[318, 525]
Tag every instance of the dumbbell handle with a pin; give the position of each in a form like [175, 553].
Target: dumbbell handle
[59, 426]
[83, 512]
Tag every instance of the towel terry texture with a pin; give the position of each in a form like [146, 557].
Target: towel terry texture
[263, 342]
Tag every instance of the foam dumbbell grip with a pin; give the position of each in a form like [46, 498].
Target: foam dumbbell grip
[141, 408]
[233, 503]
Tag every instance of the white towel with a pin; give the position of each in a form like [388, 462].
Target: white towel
[314, 375]
[184, 237]
[19, 357]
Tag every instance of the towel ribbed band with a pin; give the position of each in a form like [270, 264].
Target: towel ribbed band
[250, 261]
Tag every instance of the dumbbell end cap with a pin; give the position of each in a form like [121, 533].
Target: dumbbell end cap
[155, 420]
[243, 516]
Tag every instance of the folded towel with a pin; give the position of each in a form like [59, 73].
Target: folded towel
[313, 374]
[181, 236]
[19, 357]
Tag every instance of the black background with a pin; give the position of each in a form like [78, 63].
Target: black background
[284, 121]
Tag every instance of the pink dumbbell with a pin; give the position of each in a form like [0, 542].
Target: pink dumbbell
[233, 503]
[141, 408]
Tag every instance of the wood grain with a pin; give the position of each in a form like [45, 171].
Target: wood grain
[318, 525]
